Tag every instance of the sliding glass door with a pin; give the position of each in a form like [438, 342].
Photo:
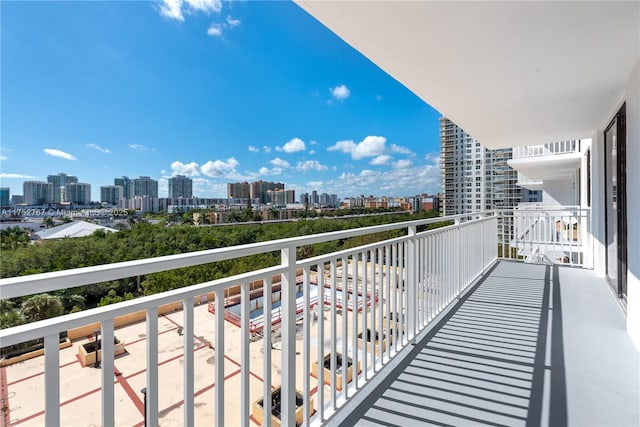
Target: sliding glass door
[616, 209]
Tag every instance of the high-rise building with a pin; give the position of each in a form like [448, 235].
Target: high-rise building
[58, 183]
[4, 196]
[144, 186]
[180, 186]
[238, 190]
[259, 189]
[474, 178]
[279, 197]
[38, 192]
[125, 183]
[78, 193]
[111, 194]
[17, 199]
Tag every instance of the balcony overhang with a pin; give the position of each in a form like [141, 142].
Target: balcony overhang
[509, 73]
[542, 168]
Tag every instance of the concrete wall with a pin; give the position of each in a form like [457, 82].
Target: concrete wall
[559, 192]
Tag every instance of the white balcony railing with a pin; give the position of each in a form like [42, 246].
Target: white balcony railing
[561, 147]
[546, 235]
[390, 289]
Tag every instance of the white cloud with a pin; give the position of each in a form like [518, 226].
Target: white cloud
[371, 146]
[98, 148]
[398, 149]
[294, 145]
[186, 169]
[315, 184]
[264, 171]
[215, 30]
[16, 175]
[219, 168]
[402, 164]
[176, 9]
[266, 148]
[279, 162]
[59, 153]
[172, 9]
[345, 146]
[3, 157]
[312, 152]
[254, 149]
[311, 165]
[382, 159]
[313, 143]
[140, 147]
[340, 92]
[232, 22]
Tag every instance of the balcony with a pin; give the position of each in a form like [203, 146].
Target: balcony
[556, 160]
[482, 343]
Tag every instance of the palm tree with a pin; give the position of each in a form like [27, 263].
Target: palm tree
[48, 222]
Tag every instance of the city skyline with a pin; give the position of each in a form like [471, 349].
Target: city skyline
[219, 92]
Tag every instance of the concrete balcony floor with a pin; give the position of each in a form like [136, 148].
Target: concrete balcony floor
[527, 345]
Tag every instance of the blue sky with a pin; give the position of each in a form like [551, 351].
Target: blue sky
[218, 91]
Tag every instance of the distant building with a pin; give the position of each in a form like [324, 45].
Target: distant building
[38, 192]
[259, 189]
[474, 178]
[58, 183]
[111, 194]
[4, 196]
[281, 197]
[17, 199]
[78, 193]
[144, 186]
[180, 186]
[238, 190]
[125, 183]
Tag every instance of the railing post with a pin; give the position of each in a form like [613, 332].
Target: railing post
[52, 380]
[288, 295]
[411, 284]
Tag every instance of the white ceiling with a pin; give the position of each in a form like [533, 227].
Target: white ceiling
[509, 73]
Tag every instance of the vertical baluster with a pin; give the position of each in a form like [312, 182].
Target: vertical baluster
[354, 316]
[306, 339]
[288, 295]
[189, 386]
[365, 346]
[152, 366]
[107, 339]
[320, 338]
[219, 359]
[267, 338]
[245, 404]
[345, 318]
[334, 314]
[52, 380]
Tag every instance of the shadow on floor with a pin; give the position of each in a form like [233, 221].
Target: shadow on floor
[496, 359]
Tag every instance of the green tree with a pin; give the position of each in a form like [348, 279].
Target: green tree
[42, 306]
[48, 222]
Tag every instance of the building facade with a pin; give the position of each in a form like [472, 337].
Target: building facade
[475, 178]
[111, 194]
[180, 186]
[77, 193]
[144, 186]
[5, 196]
[58, 183]
[37, 192]
[238, 190]
[126, 184]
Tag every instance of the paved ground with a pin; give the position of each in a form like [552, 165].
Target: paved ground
[80, 390]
